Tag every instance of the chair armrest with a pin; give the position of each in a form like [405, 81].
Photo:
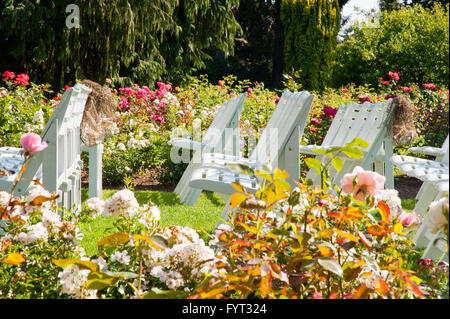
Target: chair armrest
[309, 149]
[427, 150]
[11, 150]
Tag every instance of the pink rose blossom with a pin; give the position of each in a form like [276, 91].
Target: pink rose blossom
[32, 142]
[8, 75]
[220, 83]
[407, 219]
[329, 111]
[315, 121]
[249, 90]
[430, 86]
[22, 79]
[317, 295]
[367, 183]
[344, 90]
[394, 75]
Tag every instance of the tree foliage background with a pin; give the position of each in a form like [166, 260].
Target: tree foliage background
[125, 40]
[412, 40]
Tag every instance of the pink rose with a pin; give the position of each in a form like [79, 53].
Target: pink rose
[329, 111]
[386, 82]
[344, 90]
[315, 122]
[394, 75]
[32, 142]
[66, 87]
[367, 183]
[220, 83]
[8, 75]
[407, 219]
[249, 90]
[430, 86]
[317, 295]
[22, 79]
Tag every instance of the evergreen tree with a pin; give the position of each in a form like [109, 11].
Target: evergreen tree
[310, 31]
[125, 40]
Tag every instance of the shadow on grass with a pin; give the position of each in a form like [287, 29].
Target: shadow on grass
[158, 198]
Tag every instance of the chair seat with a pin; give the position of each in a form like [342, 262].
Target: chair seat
[209, 159]
[186, 143]
[427, 150]
[430, 171]
[10, 161]
[217, 179]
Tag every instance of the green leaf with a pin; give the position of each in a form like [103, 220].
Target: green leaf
[338, 163]
[159, 241]
[114, 240]
[303, 238]
[240, 168]
[156, 293]
[83, 264]
[375, 215]
[353, 152]
[283, 185]
[359, 142]
[314, 163]
[331, 265]
[100, 280]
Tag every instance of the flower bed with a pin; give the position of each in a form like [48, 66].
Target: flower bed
[149, 117]
[301, 243]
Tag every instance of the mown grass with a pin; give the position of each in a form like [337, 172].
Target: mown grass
[203, 215]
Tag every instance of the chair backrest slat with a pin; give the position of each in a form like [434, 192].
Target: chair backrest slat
[290, 113]
[222, 120]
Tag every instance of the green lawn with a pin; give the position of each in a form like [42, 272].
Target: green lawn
[203, 215]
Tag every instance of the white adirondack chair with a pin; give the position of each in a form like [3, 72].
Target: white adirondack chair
[222, 136]
[58, 167]
[436, 175]
[279, 144]
[371, 122]
[437, 152]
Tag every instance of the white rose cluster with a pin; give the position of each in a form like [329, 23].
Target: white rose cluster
[178, 265]
[73, 281]
[122, 202]
[50, 223]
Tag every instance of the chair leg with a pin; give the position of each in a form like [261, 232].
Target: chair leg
[188, 195]
[429, 194]
[224, 217]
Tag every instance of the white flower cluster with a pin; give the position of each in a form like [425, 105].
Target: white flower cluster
[179, 265]
[95, 206]
[437, 219]
[4, 199]
[37, 122]
[122, 202]
[390, 198]
[73, 281]
[51, 222]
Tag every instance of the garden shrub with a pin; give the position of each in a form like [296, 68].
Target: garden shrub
[413, 41]
[24, 107]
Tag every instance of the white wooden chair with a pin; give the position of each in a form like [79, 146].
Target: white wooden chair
[371, 122]
[222, 136]
[278, 144]
[437, 152]
[435, 174]
[58, 167]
